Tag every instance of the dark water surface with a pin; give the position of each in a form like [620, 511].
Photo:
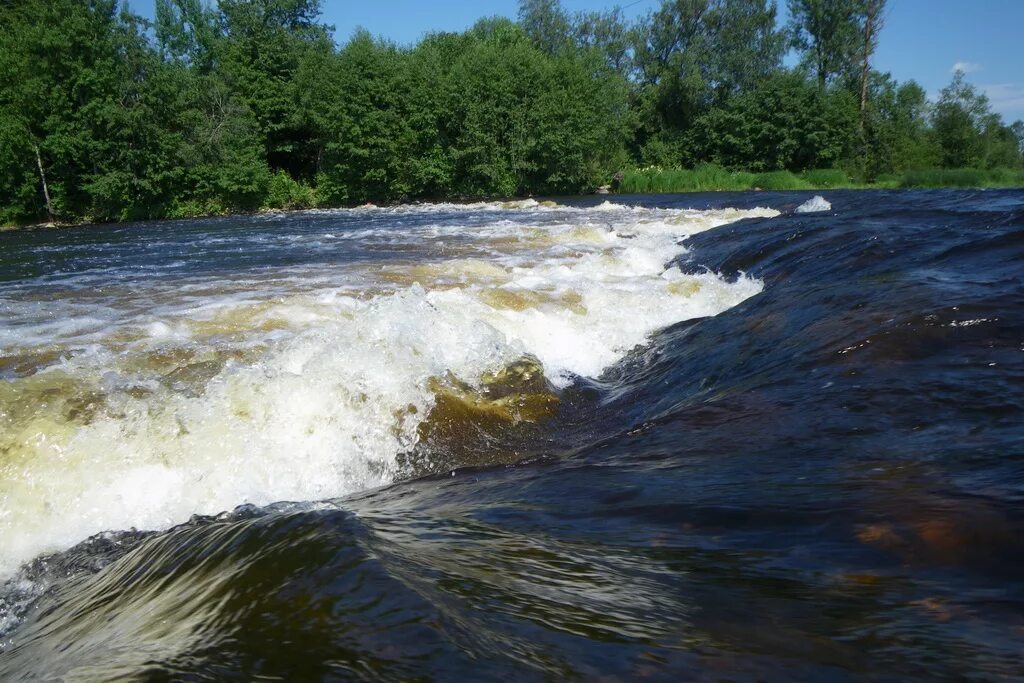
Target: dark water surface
[824, 481]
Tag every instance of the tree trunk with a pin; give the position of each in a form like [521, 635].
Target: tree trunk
[822, 69]
[42, 176]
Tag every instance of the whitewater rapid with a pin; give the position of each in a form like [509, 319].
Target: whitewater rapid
[135, 402]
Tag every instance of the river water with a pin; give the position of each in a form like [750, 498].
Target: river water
[696, 437]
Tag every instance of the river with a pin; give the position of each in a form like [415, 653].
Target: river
[696, 437]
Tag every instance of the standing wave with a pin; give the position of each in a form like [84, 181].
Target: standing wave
[141, 404]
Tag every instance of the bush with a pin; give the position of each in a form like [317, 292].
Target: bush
[194, 208]
[285, 193]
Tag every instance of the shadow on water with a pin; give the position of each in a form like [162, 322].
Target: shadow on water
[824, 482]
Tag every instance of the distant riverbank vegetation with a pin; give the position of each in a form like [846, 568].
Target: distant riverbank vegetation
[714, 178]
[247, 104]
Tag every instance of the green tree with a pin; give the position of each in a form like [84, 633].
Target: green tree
[748, 46]
[264, 44]
[1017, 128]
[223, 153]
[828, 32]
[187, 31]
[607, 33]
[530, 122]
[85, 95]
[959, 120]
[22, 172]
[243, 104]
[693, 54]
[873, 18]
[361, 110]
[1000, 148]
[785, 124]
[546, 23]
[896, 136]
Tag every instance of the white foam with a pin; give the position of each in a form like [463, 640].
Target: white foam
[193, 396]
[815, 204]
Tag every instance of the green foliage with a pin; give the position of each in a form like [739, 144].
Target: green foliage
[283, 192]
[264, 44]
[963, 177]
[1000, 147]
[192, 208]
[828, 32]
[691, 55]
[487, 113]
[786, 123]
[546, 24]
[1017, 130]
[361, 112]
[222, 150]
[713, 178]
[779, 180]
[239, 105]
[705, 178]
[19, 181]
[958, 121]
[708, 177]
[608, 35]
[528, 123]
[826, 178]
[897, 134]
[84, 94]
[186, 30]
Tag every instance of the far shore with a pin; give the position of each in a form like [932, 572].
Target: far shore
[712, 178]
[650, 181]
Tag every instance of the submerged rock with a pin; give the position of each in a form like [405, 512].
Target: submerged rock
[486, 424]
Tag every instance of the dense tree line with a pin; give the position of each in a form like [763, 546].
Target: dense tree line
[243, 104]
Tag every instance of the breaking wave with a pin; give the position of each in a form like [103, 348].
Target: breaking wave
[135, 402]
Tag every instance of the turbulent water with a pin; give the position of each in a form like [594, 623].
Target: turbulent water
[703, 437]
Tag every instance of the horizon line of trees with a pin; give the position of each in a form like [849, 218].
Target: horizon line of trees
[250, 103]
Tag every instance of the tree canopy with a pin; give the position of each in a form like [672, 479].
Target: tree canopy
[241, 104]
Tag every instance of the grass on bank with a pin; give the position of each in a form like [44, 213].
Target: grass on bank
[712, 178]
[964, 177]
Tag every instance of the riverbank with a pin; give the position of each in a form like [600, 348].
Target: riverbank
[295, 196]
[711, 178]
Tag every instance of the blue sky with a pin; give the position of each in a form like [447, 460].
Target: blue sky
[922, 39]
